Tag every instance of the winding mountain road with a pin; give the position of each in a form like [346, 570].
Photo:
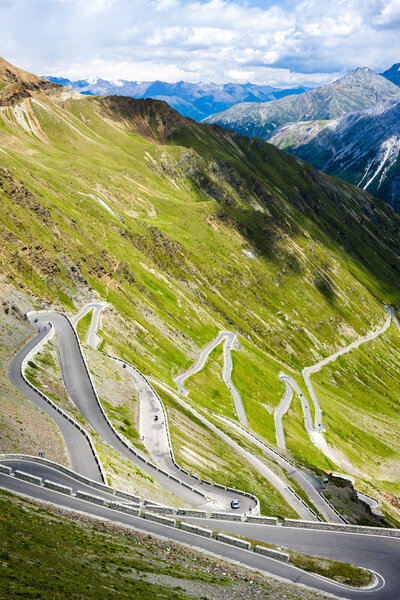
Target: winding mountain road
[83, 395]
[316, 428]
[279, 484]
[78, 447]
[381, 554]
[317, 500]
[93, 338]
[230, 343]
[307, 371]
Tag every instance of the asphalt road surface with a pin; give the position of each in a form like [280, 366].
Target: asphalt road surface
[79, 452]
[291, 385]
[93, 338]
[318, 501]
[380, 554]
[268, 474]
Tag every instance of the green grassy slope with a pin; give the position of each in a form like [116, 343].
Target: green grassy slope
[360, 397]
[83, 325]
[207, 388]
[203, 453]
[187, 229]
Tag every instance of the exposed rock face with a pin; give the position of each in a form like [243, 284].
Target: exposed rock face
[393, 74]
[361, 147]
[20, 84]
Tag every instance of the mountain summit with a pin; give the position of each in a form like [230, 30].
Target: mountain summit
[357, 90]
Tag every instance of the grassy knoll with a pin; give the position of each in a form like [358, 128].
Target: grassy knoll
[117, 395]
[341, 572]
[207, 388]
[256, 377]
[83, 325]
[298, 441]
[338, 571]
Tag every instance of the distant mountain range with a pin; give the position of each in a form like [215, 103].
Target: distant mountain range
[357, 90]
[349, 128]
[194, 100]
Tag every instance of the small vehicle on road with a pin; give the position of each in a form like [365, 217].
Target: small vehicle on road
[156, 418]
[235, 503]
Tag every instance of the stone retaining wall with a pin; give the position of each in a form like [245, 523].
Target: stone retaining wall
[5, 470]
[126, 496]
[262, 520]
[186, 485]
[339, 527]
[272, 553]
[194, 529]
[163, 510]
[159, 519]
[225, 516]
[28, 477]
[90, 497]
[57, 487]
[188, 512]
[227, 539]
[61, 468]
[130, 510]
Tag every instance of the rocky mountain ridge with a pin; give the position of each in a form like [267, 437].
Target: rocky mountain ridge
[16, 84]
[393, 74]
[362, 148]
[357, 90]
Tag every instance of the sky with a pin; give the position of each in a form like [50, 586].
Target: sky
[281, 43]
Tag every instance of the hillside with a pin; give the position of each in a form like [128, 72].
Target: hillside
[186, 229]
[16, 84]
[194, 100]
[361, 147]
[357, 90]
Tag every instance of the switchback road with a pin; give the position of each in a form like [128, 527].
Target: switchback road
[230, 341]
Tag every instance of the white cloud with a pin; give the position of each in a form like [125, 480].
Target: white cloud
[389, 15]
[285, 42]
